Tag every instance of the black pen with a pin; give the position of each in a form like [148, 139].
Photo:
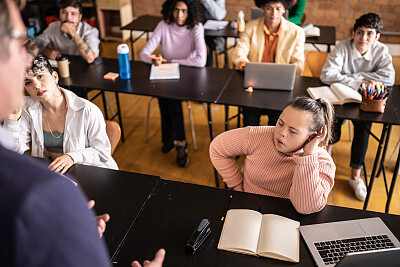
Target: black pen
[227, 206]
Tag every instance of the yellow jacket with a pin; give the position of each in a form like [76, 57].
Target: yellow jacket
[289, 49]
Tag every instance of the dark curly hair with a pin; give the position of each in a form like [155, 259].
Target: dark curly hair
[40, 63]
[286, 3]
[73, 3]
[194, 12]
[370, 20]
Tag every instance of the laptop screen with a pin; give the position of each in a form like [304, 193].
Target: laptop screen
[271, 76]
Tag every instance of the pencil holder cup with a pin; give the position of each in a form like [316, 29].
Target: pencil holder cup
[373, 105]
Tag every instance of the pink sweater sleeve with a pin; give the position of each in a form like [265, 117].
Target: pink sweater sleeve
[198, 56]
[312, 181]
[152, 44]
[223, 150]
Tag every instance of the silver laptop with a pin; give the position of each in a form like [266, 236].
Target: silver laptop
[272, 76]
[330, 242]
[389, 257]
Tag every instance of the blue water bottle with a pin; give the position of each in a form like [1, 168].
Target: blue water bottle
[123, 60]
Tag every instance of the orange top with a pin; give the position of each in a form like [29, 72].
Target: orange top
[271, 40]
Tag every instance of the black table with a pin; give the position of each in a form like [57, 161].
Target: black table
[327, 37]
[118, 193]
[148, 213]
[195, 84]
[147, 23]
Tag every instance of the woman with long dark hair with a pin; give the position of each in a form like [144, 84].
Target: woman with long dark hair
[181, 36]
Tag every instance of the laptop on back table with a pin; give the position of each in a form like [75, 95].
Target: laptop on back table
[272, 76]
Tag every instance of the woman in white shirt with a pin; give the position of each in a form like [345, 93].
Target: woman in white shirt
[58, 124]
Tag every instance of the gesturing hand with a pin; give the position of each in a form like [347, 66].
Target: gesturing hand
[101, 219]
[68, 28]
[158, 60]
[156, 262]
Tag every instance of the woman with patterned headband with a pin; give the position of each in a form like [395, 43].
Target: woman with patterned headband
[58, 124]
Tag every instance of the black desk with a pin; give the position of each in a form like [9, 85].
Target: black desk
[173, 209]
[195, 84]
[327, 37]
[118, 193]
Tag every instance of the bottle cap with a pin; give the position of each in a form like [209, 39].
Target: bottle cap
[241, 14]
[123, 49]
[61, 58]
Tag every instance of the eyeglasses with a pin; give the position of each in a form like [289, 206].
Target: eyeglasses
[23, 37]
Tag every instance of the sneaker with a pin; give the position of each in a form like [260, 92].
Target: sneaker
[360, 190]
[167, 147]
[182, 159]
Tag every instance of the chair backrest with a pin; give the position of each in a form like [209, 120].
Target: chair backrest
[256, 12]
[315, 61]
[114, 134]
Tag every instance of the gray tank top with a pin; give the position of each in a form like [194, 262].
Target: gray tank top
[52, 144]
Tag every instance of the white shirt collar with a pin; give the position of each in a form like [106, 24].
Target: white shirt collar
[356, 55]
[79, 27]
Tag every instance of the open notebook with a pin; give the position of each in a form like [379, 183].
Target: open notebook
[167, 71]
[269, 235]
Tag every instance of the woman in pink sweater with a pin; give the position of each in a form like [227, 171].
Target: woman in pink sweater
[287, 160]
[181, 36]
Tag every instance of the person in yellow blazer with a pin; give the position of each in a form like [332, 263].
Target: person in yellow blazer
[269, 39]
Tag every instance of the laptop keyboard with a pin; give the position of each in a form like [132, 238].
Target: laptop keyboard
[333, 251]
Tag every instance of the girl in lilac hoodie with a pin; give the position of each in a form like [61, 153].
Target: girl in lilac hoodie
[181, 36]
